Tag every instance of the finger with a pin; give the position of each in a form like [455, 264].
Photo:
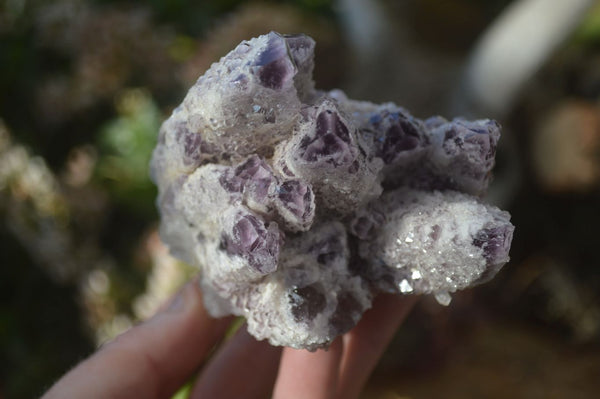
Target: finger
[364, 345]
[243, 368]
[151, 360]
[310, 375]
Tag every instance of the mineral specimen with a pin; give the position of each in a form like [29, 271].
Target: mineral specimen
[300, 205]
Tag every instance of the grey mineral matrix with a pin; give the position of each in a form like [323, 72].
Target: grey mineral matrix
[299, 205]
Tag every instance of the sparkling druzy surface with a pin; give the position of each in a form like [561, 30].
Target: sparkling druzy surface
[299, 205]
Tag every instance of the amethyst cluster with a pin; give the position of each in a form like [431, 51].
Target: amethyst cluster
[300, 205]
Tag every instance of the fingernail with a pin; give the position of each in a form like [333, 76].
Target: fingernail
[177, 304]
[181, 300]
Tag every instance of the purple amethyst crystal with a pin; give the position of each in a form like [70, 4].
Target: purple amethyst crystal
[326, 153]
[296, 196]
[307, 302]
[399, 138]
[191, 144]
[251, 239]
[495, 243]
[329, 142]
[274, 67]
[299, 206]
[402, 134]
[347, 313]
[364, 225]
[464, 152]
[295, 203]
[259, 183]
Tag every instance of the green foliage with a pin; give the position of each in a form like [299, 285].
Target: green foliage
[589, 31]
[126, 145]
[184, 392]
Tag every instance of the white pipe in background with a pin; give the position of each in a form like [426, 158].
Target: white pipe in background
[515, 46]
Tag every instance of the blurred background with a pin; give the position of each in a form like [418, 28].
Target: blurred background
[85, 85]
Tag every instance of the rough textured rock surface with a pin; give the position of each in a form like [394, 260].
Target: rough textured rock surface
[300, 205]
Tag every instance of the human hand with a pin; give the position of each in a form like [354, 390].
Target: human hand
[155, 358]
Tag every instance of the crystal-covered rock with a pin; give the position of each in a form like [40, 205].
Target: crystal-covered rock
[299, 206]
[437, 242]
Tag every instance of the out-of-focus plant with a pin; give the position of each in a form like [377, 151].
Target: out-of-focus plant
[104, 53]
[126, 145]
[256, 18]
[34, 209]
[40, 334]
[589, 31]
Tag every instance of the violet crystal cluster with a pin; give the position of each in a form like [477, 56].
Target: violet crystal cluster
[300, 205]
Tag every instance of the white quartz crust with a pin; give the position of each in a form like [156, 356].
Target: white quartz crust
[298, 206]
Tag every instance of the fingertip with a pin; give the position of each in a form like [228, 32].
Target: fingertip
[310, 375]
[252, 364]
[365, 344]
